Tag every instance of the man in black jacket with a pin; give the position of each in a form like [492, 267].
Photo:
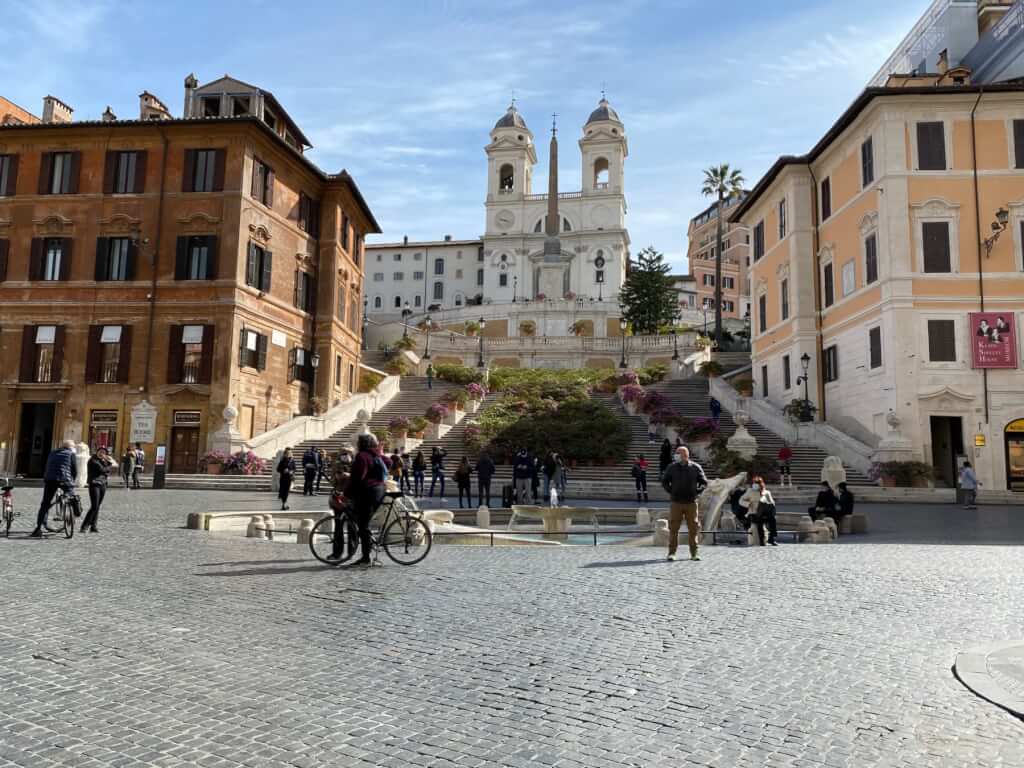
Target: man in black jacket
[484, 473]
[61, 472]
[684, 480]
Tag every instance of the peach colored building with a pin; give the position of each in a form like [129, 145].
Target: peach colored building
[701, 234]
[880, 261]
[190, 263]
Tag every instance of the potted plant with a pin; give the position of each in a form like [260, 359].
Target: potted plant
[472, 328]
[628, 377]
[711, 369]
[399, 427]
[744, 386]
[579, 328]
[798, 410]
[700, 433]
[436, 413]
[902, 474]
[244, 463]
[541, 296]
[527, 327]
[417, 426]
[213, 462]
[632, 396]
[569, 296]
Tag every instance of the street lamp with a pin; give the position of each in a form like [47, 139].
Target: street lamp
[430, 324]
[746, 322]
[805, 411]
[480, 362]
[675, 345]
[406, 314]
[314, 362]
[998, 227]
[515, 287]
[600, 285]
[622, 327]
[366, 307]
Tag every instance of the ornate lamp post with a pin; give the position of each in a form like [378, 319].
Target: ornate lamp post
[600, 283]
[805, 412]
[480, 362]
[314, 362]
[406, 314]
[515, 287]
[622, 327]
[746, 321]
[430, 325]
[998, 227]
[675, 345]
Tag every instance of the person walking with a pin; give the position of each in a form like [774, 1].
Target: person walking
[716, 409]
[286, 469]
[366, 489]
[969, 484]
[760, 508]
[684, 481]
[397, 468]
[61, 472]
[127, 467]
[463, 474]
[522, 471]
[826, 503]
[430, 375]
[484, 472]
[97, 469]
[549, 468]
[406, 484]
[323, 468]
[310, 464]
[535, 472]
[665, 456]
[140, 466]
[561, 477]
[437, 456]
[785, 465]
[419, 470]
[639, 471]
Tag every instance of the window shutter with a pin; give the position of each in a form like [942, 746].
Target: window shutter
[5, 248]
[206, 362]
[133, 257]
[181, 259]
[268, 259]
[829, 286]
[268, 183]
[93, 355]
[931, 146]
[175, 354]
[35, 260]
[211, 257]
[241, 348]
[292, 373]
[124, 361]
[28, 354]
[12, 176]
[298, 289]
[935, 235]
[65, 258]
[45, 172]
[250, 257]
[110, 173]
[102, 258]
[139, 183]
[188, 174]
[76, 169]
[58, 355]
[1018, 143]
[261, 352]
[218, 171]
[254, 184]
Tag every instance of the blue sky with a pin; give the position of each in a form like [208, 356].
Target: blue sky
[403, 94]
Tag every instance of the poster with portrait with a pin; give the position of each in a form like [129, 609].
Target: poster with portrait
[993, 340]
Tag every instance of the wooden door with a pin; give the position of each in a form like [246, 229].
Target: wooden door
[185, 450]
[248, 421]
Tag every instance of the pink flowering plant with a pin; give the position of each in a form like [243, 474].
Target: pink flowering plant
[436, 413]
[399, 424]
[628, 377]
[632, 393]
[213, 457]
[475, 391]
[653, 401]
[701, 428]
[666, 415]
[244, 463]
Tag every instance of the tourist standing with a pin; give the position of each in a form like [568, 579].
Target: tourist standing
[785, 461]
[462, 478]
[286, 470]
[406, 485]
[323, 467]
[61, 472]
[716, 409]
[430, 375]
[310, 465]
[535, 472]
[366, 488]
[761, 510]
[522, 471]
[549, 468]
[845, 502]
[484, 472]
[127, 467]
[665, 456]
[562, 477]
[140, 466]
[437, 456]
[419, 470]
[97, 469]
[397, 468]
[684, 481]
[969, 484]
[640, 478]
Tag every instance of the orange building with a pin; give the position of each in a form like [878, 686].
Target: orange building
[702, 234]
[903, 220]
[155, 271]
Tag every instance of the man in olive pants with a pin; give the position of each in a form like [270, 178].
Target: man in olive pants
[683, 480]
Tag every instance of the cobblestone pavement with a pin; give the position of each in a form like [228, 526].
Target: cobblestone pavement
[150, 645]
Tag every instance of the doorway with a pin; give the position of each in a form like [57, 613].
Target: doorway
[35, 438]
[1015, 455]
[247, 422]
[947, 444]
[185, 450]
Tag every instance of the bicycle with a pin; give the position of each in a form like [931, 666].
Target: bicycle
[7, 512]
[402, 534]
[67, 503]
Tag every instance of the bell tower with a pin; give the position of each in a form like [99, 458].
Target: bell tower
[510, 158]
[604, 150]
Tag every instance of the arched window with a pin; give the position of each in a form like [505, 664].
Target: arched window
[566, 226]
[438, 266]
[438, 291]
[458, 299]
[377, 302]
[601, 173]
[541, 225]
[506, 178]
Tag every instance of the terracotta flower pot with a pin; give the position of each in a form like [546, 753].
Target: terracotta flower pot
[888, 482]
[214, 468]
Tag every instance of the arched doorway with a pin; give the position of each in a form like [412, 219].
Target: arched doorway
[1015, 455]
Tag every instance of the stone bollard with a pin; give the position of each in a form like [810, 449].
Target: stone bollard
[483, 516]
[661, 533]
[268, 524]
[305, 532]
[643, 517]
[255, 528]
[195, 521]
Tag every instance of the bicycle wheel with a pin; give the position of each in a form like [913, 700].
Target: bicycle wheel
[68, 516]
[407, 540]
[328, 540]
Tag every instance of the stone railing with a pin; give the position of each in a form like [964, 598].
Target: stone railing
[441, 341]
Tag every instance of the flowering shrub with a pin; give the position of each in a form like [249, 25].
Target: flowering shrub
[475, 391]
[399, 424]
[417, 425]
[569, 295]
[628, 377]
[455, 398]
[666, 415]
[213, 457]
[701, 428]
[436, 413]
[632, 393]
[904, 473]
[541, 296]
[653, 401]
[245, 463]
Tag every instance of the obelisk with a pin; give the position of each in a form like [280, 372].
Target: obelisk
[551, 268]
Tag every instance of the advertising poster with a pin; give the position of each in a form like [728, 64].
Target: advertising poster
[993, 340]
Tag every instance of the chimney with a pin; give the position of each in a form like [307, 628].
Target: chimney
[56, 111]
[447, 238]
[151, 108]
[943, 63]
[405, 240]
[190, 95]
[108, 115]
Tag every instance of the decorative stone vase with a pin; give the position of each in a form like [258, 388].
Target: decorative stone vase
[472, 406]
[433, 431]
[214, 468]
[454, 416]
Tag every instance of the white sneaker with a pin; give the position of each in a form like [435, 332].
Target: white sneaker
[671, 557]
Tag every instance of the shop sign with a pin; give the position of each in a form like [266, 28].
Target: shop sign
[143, 423]
[103, 419]
[1016, 426]
[187, 418]
[993, 340]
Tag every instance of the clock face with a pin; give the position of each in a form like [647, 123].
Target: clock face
[599, 262]
[505, 219]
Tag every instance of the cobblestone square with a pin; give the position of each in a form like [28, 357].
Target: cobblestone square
[151, 645]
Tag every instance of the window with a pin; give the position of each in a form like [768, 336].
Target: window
[299, 366]
[253, 350]
[871, 259]
[828, 285]
[204, 170]
[598, 276]
[399, 276]
[398, 302]
[758, 240]
[258, 268]
[196, 258]
[417, 275]
[115, 259]
[378, 277]
[502, 280]
[826, 198]
[762, 312]
[708, 280]
[341, 303]
[931, 147]
[709, 303]
[438, 291]
[5, 247]
[9, 175]
[875, 348]
[438, 266]
[305, 291]
[192, 355]
[480, 254]
[728, 282]
[344, 231]
[378, 303]
[506, 178]
[727, 306]
[351, 377]
[58, 173]
[210, 106]
[458, 300]
[479, 277]
[41, 353]
[867, 163]
[417, 301]
[787, 381]
[942, 341]
[54, 260]
[110, 355]
[764, 381]
[397, 257]
[782, 218]
[125, 173]
[832, 363]
[337, 370]
[1018, 148]
[262, 182]
[309, 215]
[935, 239]
[784, 299]
[849, 278]
[458, 274]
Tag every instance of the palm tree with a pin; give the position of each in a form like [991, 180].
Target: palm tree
[725, 183]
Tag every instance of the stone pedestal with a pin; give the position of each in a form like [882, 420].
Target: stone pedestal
[227, 438]
[483, 516]
[81, 459]
[742, 442]
[551, 279]
[894, 446]
[363, 418]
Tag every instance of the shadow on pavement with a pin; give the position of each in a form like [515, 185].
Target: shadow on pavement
[625, 563]
[253, 562]
[270, 571]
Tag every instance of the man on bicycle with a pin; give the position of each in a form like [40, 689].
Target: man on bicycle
[366, 488]
[61, 472]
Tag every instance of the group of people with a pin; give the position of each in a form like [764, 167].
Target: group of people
[829, 503]
[133, 464]
[529, 472]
